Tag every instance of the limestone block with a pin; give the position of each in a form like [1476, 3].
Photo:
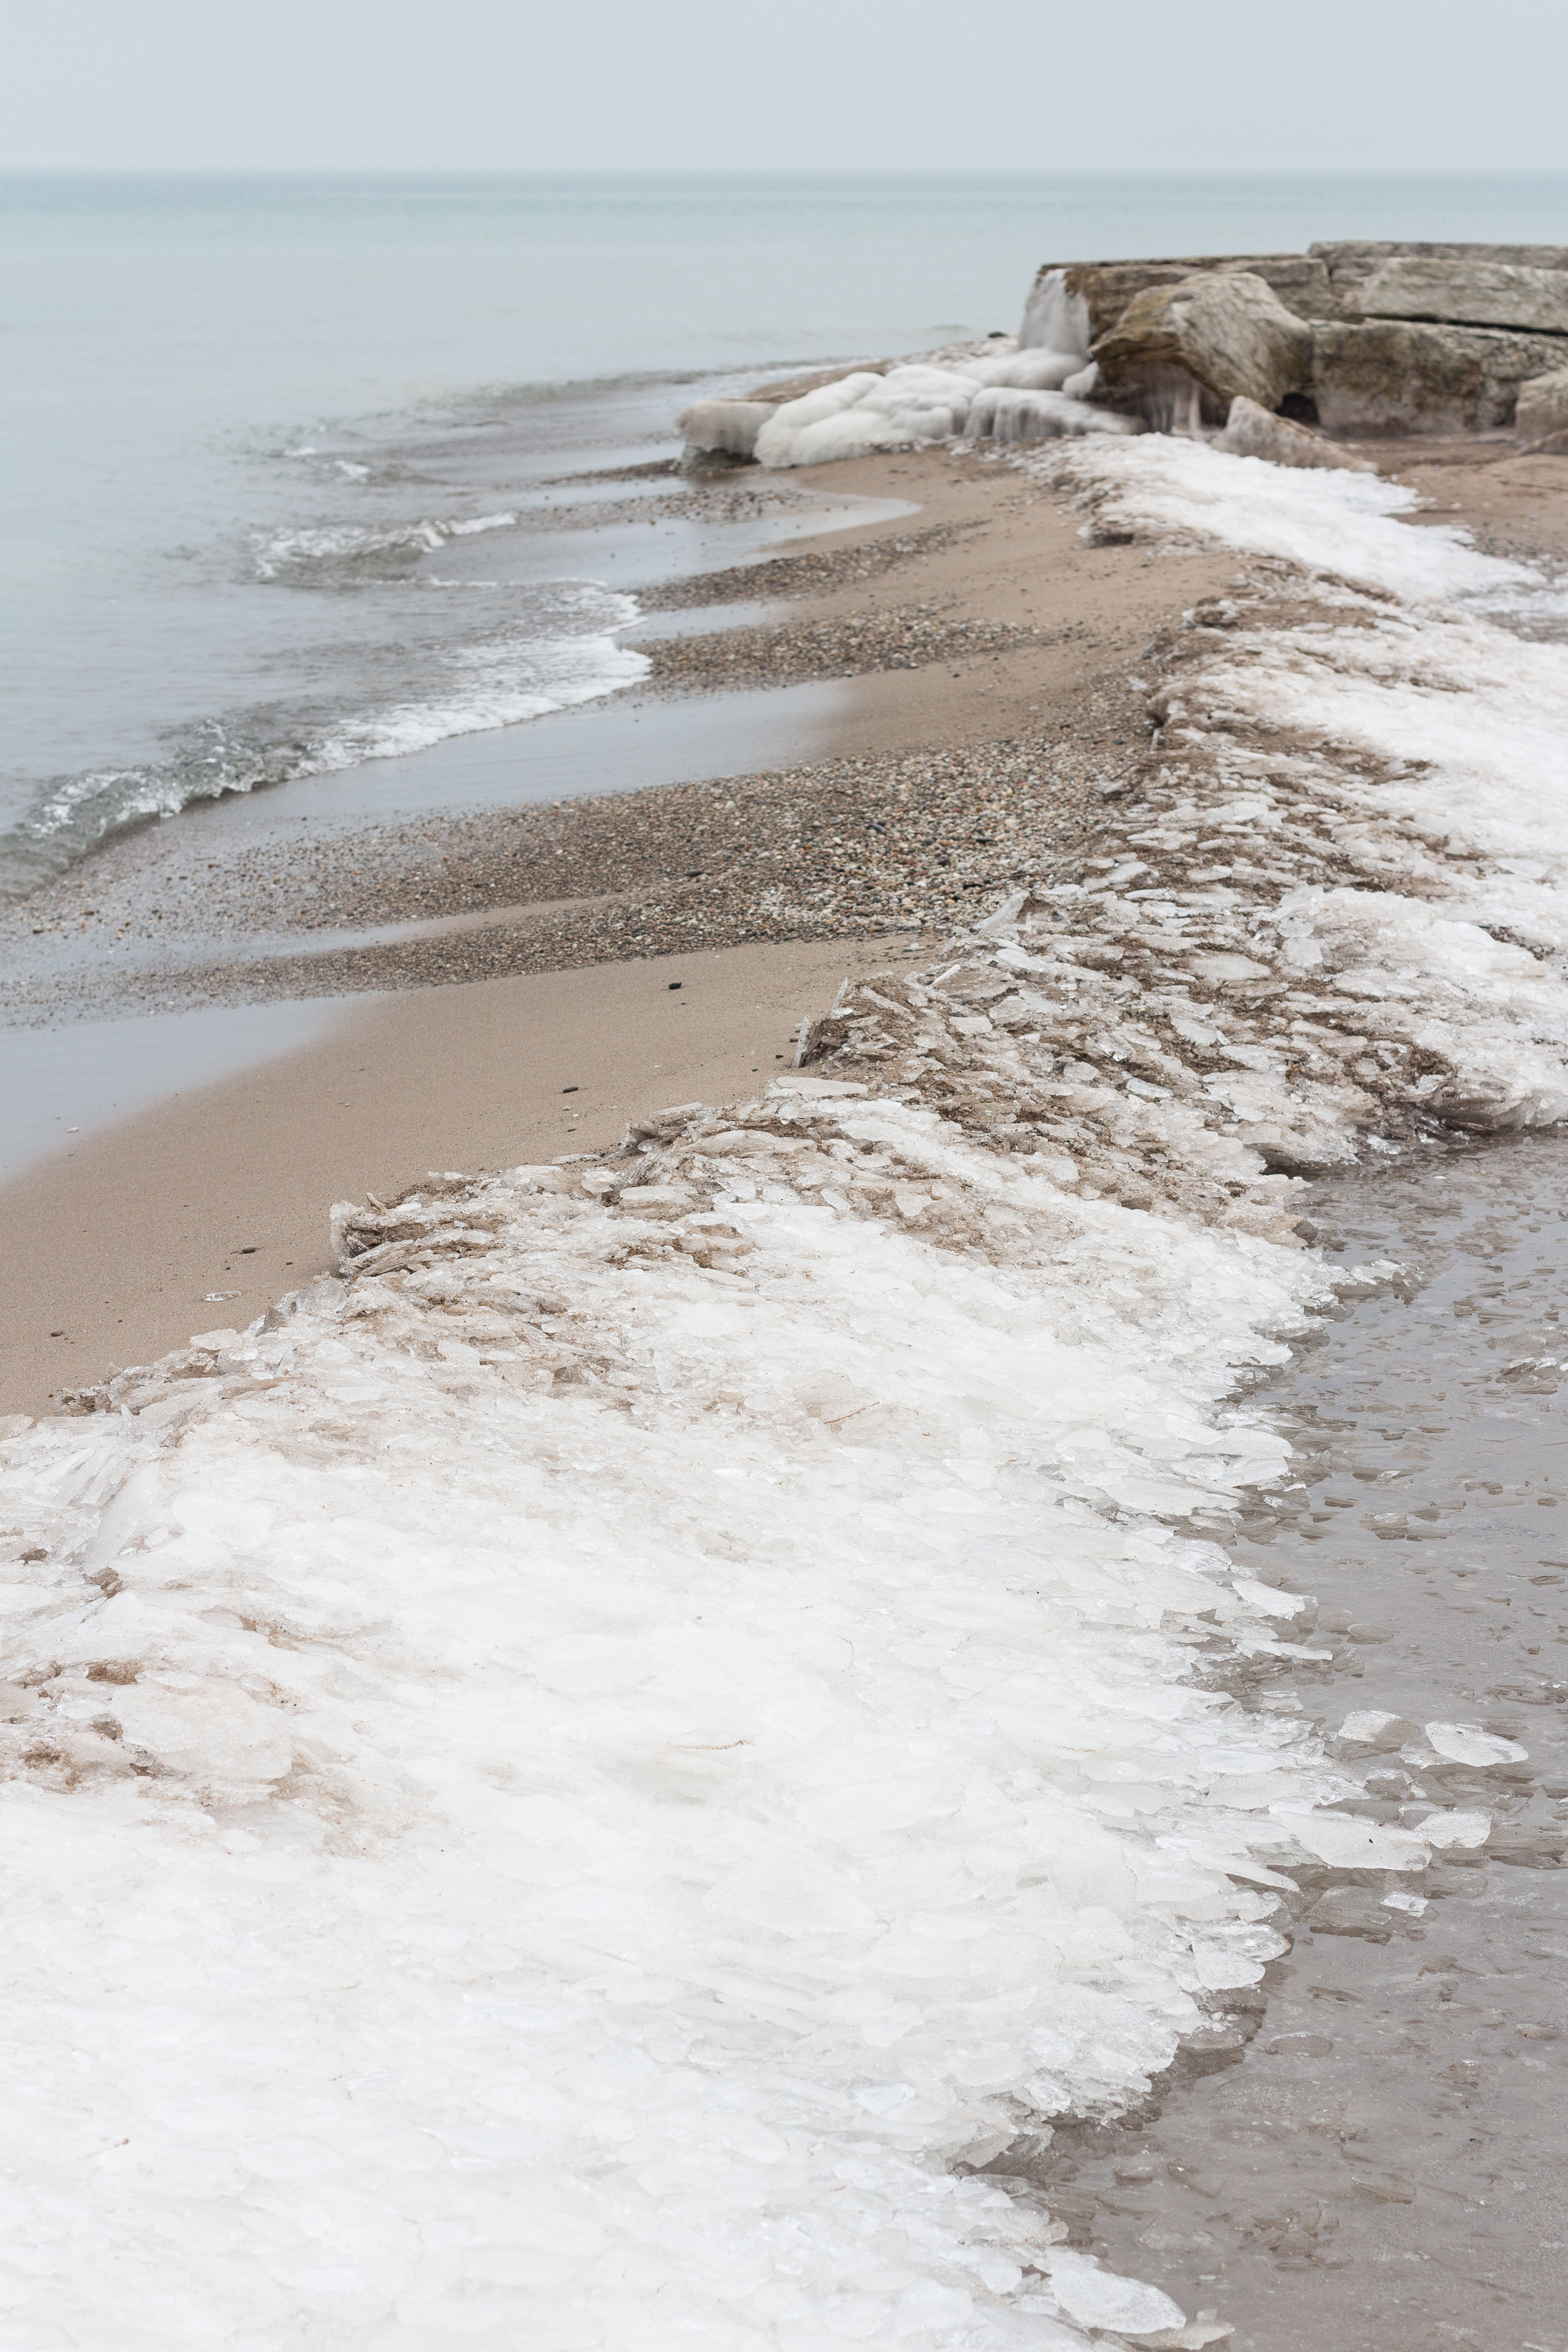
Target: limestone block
[1252, 432]
[1466, 293]
[1206, 341]
[1392, 376]
[1542, 409]
[1072, 303]
[1350, 262]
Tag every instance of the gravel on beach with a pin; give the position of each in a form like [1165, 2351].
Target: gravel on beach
[788, 653]
[972, 788]
[813, 573]
[837, 847]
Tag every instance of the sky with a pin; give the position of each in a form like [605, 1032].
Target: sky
[830, 85]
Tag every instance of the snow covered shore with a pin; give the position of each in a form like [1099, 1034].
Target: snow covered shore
[581, 1779]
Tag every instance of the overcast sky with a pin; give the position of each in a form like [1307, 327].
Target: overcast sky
[512, 85]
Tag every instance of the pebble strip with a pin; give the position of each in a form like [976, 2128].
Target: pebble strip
[787, 652]
[811, 573]
[838, 848]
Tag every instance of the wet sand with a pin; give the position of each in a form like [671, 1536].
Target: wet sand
[528, 927]
[114, 1243]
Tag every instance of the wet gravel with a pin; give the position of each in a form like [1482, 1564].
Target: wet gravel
[834, 849]
[789, 653]
[812, 572]
[747, 497]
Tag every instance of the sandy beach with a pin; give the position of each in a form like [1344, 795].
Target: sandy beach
[984, 713]
[121, 1237]
[984, 716]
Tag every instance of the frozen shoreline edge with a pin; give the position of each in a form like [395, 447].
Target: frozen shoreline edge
[1136, 1122]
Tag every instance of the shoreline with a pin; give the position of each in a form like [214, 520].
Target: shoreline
[117, 1239]
[909, 1296]
[1032, 628]
[928, 786]
[943, 780]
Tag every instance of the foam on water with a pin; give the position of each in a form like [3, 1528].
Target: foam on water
[328, 552]
[496, 683]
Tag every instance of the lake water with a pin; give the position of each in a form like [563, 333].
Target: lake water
[281, 445]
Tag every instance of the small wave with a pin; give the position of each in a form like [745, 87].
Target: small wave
[331, 552]
[496, 681]
[500, 689]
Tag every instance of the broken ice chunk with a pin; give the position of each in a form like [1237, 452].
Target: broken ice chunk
[1345, 1843]
[1454, 1829]
[1270, 1602]
[1097, 2298]
[1377, 1730]
[654, 1200]
[1466, 1743]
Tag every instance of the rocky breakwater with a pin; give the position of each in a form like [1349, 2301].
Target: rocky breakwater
[1362, 339]
[1442, 342]
[1365, 338]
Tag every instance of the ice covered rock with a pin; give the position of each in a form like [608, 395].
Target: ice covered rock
[1185, 351]
[1252, 432]
[908, 406]
[1072, 305]
[1000, 414]
[725, 427]
[791, 423]
[1395, 375]
[1471, 292]
[1542, 409]
[1056, 315]
[1030, 371]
